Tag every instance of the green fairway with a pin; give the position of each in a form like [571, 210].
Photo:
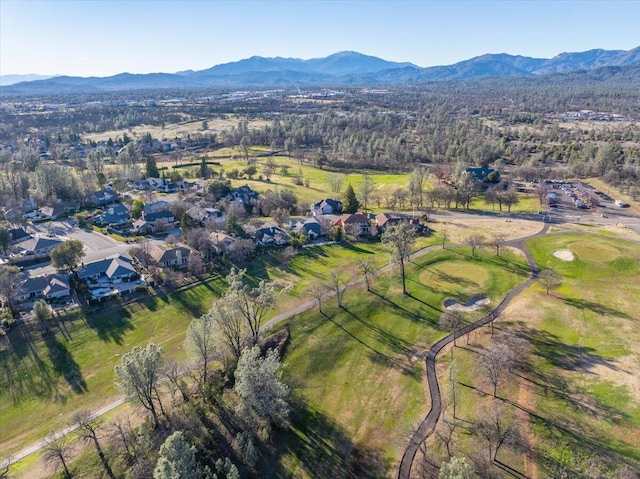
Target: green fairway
[357, 369]
[584, 342]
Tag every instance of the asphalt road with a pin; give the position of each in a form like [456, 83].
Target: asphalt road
[96, 245]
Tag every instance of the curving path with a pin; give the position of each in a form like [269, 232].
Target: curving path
[428, 424]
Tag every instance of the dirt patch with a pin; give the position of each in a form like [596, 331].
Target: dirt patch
[564, 255]
[527, 401]
[459, 229]
[471, 305]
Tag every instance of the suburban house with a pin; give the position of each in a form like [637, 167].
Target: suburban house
[162, 185]
[168, 256]
[384, 220]
[326, 207]
[114, 269]
[50, 286]
[18, 235]
[222, 242]
[311, 228]
[37, 245]
[355, 224]
[60, 209]
[103, 197]
[244, 194]
[201, 215]
[113, 215]
[148, 184]
[270, 234]
[156, 206]
[164, 217]
[19, 208]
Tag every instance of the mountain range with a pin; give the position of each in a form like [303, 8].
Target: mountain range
[339, 69]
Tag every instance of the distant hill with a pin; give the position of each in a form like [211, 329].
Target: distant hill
[6, 80]
[343, 68]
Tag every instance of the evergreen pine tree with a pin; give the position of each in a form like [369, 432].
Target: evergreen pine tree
[351, 203]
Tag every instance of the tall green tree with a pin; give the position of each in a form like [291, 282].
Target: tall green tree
[68, 255]
[5, 239]
[151, 167]
[456, 468]
[260, 387]
[137, 207]
[177, 459]
[400, 238]
[351, 203]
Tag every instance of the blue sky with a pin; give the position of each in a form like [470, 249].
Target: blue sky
[100, 38]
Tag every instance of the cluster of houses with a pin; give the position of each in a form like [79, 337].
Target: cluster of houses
[118, 274]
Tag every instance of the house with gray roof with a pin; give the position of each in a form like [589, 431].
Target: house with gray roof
[18, 235]
[113, 215]
[103, 197]
[328, 206]
[60, 209]
[114, 269]
[270, 234]
[38, 245]
[311, 228]
[170, 256]
[50, 286]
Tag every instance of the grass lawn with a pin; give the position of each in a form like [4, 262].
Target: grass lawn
[73, 368]
[585, 356]
[356, 370]
[583, 379]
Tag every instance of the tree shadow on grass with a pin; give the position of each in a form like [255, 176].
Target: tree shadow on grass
[111, 325]
[18, 380]
[597, 308]
[571, 358]
[407, 313]
[396, 344]
[64, 365]
[566, 356]
[320, 448]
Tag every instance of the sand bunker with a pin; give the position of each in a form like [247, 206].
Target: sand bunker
[564, 255]
[470, 305]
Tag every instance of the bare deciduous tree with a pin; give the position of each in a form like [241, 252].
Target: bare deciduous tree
[496, 427]
[318, 291]
[338, 285]
[549, 280]
[474, 241]
[494, 363]
[56, 453]
[452, 320]
[400, 238]
[367, 269]
[497, 241]
[202, 343]
[445, 432]
[88, 430]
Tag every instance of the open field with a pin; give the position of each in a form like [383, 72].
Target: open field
[357, 370]
[579, 396]
[174, 130]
